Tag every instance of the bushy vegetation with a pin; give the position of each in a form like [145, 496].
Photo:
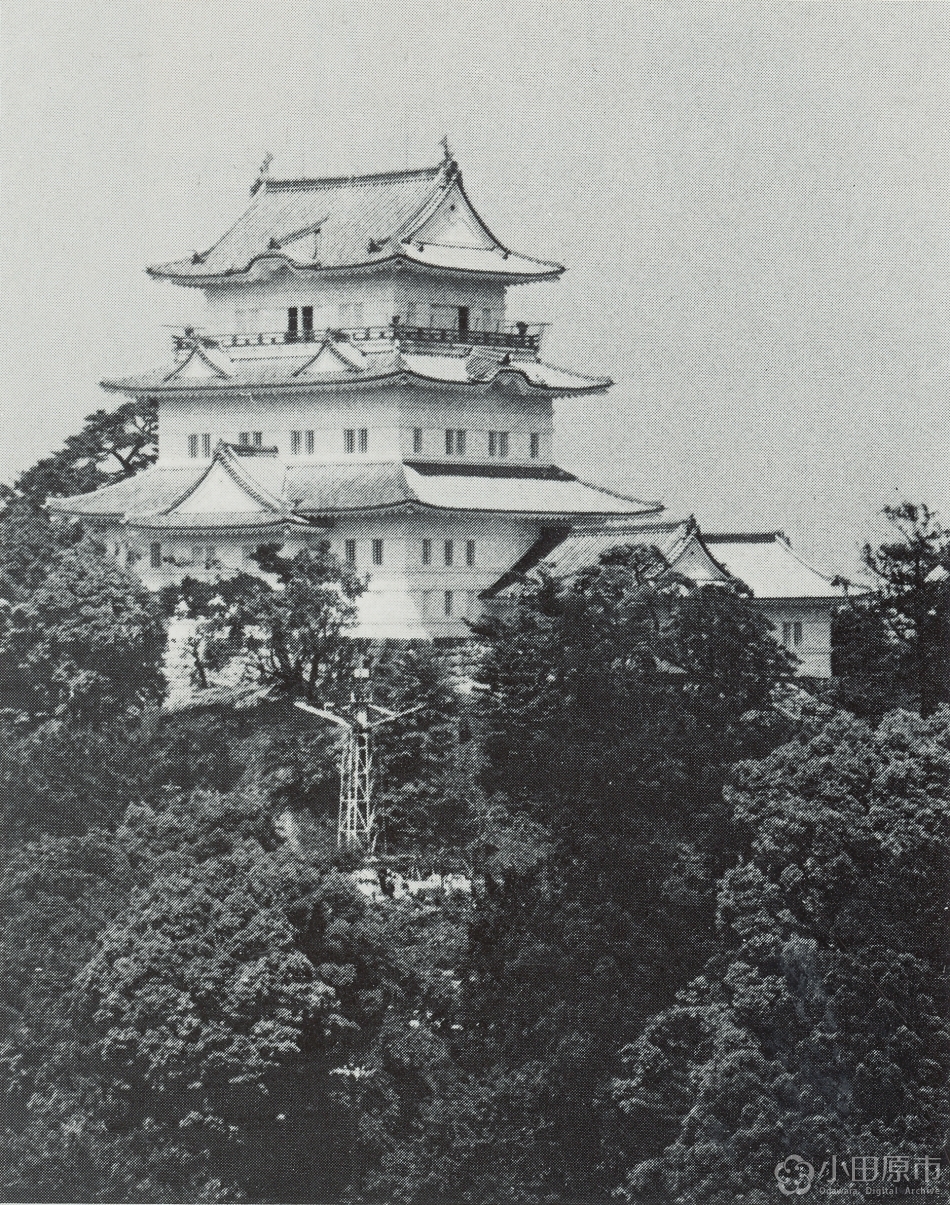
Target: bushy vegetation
[706, 926]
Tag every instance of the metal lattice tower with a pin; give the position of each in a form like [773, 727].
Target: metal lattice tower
[356, 819]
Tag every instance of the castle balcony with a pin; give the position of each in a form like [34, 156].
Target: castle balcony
[519, 337]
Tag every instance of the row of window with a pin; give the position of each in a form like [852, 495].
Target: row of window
[206, 555]
[448, 552]
[300, 319]
[356, 439]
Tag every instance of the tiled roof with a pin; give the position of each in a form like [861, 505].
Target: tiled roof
[762, 561]
[287, 492]
[390, 364]
[769, 567]
[152, 489]
[348, 221]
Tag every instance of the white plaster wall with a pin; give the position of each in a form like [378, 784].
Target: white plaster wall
[499, 542]
[390, 417]
[261, 306]
[815, 651]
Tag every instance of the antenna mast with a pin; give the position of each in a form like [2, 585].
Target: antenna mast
[356, 818]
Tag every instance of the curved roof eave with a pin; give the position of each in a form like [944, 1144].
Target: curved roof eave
[396, 259]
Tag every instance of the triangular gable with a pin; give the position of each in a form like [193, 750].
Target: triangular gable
[695, 562]
[453, 223]
[218, 491]
[333, 357]
[203, 363]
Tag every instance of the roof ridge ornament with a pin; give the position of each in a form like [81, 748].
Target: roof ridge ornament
[262, 174]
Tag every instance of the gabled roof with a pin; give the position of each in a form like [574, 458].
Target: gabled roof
[339, 360]
[421, 217]
[769, 566]
[253, 491]
[762, 561]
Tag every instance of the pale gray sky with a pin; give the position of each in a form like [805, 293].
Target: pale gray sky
[752, 201]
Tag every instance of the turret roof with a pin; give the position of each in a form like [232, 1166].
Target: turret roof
[349, 222]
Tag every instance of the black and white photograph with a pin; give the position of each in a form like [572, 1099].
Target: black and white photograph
[475, 603]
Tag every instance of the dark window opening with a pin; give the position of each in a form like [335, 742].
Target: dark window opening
[292, 329]
[192, 445]
[257, 438]
[309, 443]
[364, 439]
[449, 552]
[448, 603]
[295, 443]
[349, 551]
[306, 314]
[470, 553]
[206, 445]
[535, 446]
[244, 439]
[156, 556]
[427, 552]
[463, 319]
[377, 552]
[417, 440]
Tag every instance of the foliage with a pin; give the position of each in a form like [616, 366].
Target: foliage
[86, 642]
[820, 1026]
[892, 648]
[291, 634]
[615, 705]
[112, 445]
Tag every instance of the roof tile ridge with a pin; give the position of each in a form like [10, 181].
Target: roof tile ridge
[316, 182]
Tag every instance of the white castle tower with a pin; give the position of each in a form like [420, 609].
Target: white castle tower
[357, 378]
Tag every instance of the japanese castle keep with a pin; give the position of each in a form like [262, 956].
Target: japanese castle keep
[358, 378]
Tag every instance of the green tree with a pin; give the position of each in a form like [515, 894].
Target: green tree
[892, 647]
[820, 1026]
[113, 444]
[292, 634]
[614, 708]
[87, 642]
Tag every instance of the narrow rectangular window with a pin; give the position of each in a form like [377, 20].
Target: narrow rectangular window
[792, 635]
[449, 443]
[129, 557]
[244, 439]
[291, 324]
[192, 445]
[492, 443]
[156, 556]
[306, 314]
[295, 441]
[460, 443]
[448, 602]
[349, 441]
[257, 438]
[470, 553]
[349, 551]
[535, 446]
[364, 439]
[427, 552]
[211, 556]
[309, 443]
[377, 552]
[417, 440]
[502, 443]
[449, 552]
[206, 446]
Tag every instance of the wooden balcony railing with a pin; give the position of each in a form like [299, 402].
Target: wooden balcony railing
[522, 336]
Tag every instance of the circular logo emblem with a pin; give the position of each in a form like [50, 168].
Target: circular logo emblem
[794, 1175]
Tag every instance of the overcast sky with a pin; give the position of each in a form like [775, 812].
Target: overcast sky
[752, 202]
